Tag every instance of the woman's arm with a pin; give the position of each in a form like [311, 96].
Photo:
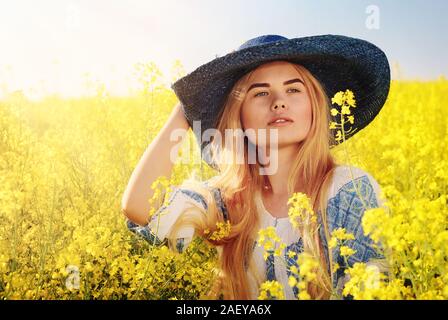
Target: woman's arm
[154, 163]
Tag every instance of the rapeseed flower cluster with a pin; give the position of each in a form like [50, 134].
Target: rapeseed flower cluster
[271, 290]
[300, 211]
[345, 100]
[271, 242]
[223, 229]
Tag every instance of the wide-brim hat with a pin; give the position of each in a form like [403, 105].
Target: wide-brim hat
[338, 62]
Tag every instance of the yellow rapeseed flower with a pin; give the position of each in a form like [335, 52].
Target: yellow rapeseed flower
[222, 231]
[347, 251]
[268, 239]
[271, 290]
[301, 211]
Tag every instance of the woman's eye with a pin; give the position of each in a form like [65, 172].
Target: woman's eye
[259, 93]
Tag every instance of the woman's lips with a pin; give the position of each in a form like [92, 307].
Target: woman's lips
[280, 124]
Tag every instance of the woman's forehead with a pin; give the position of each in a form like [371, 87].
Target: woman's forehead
[274, 69]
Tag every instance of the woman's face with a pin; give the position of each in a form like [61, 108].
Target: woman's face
[277, 90]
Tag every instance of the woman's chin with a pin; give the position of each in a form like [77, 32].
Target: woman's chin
[283, 143]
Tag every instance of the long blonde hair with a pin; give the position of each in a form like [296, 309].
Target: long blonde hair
[238, 182]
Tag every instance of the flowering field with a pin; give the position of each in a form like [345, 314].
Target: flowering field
[64, 165]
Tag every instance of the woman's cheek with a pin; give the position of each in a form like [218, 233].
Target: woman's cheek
[304, 107]
[307, 120]
[251, 117]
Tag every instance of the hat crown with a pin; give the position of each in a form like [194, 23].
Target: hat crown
[261, 40]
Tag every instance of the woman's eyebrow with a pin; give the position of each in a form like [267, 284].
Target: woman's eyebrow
[256, 85]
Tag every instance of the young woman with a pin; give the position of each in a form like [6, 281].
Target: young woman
[282, 88]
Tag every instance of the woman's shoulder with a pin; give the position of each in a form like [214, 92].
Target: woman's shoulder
[185, 193]
[354, 190]
[351, 181]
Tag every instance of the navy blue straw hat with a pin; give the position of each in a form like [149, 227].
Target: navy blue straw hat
[338, 62]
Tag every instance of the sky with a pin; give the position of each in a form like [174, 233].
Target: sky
[50, 46]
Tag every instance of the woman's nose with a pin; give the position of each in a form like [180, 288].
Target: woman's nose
[279, 106]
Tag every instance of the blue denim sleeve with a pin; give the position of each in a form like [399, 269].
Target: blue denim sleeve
[146, 231]
[147, 234]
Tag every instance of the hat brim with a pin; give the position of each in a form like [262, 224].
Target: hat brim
[338, 62]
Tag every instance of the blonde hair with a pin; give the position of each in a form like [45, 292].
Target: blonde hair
[238, 182]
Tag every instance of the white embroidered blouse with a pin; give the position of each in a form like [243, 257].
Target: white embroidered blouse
[344, 209]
